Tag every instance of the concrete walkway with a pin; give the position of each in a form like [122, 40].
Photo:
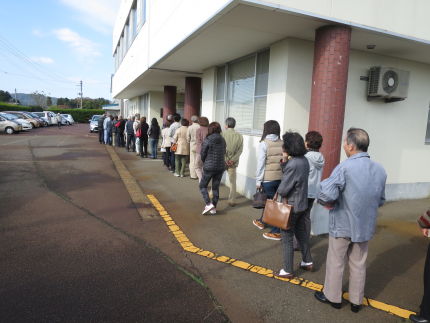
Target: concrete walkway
[395, 262]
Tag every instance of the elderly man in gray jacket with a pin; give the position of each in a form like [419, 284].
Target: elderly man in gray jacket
[353, 193]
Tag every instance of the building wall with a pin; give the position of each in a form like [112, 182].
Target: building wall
[168, 23]
[397, 130]
[403, 17]
[208, 93]
[156, 100]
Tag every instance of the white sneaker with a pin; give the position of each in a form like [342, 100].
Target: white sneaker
[282, 272]
[208, 208]
[177, 175]
[213, 211]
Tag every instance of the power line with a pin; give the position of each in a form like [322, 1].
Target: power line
[24, 58]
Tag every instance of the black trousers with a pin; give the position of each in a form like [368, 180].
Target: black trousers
[101, 136]
[425, 304]
[166, 157]
[216, 181]
[144, 146]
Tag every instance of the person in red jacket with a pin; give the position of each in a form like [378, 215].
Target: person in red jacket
[424, 315]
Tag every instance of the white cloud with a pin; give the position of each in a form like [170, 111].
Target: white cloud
[37, 33]
[98, 14]
[42, 59]
[84, 47]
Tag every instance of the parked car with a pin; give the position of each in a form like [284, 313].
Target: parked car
[11, 117]
[69, 119]
[9, 126]
[42, 121]
[45, 115]
[49, 116]
[94, 123]
[23, 115]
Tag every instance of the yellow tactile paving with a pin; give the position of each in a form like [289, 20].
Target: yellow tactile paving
[138, 196]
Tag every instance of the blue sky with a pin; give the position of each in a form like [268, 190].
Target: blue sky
[50, 45]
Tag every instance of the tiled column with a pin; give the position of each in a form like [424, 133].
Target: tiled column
[193, 92]
[169, 101]
[329, 83]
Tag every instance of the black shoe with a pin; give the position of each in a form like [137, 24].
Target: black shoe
[418, 319]
[355, 308]
[321, 297]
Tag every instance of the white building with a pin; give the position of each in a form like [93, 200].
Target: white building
[300, 62]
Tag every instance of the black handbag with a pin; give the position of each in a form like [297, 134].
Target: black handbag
[259, 200]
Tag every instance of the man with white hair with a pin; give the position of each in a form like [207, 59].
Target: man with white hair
[191, 139]
[353, 193]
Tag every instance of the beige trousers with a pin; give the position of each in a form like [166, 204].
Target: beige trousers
[199, 167]
[232, 179]
[341, 250]
[193, 164]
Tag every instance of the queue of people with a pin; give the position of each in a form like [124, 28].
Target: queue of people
[291, 168]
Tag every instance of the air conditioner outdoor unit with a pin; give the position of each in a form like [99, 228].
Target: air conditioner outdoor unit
[388, 83]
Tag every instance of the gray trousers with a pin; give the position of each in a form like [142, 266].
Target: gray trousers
[297, 229]
[341, 250]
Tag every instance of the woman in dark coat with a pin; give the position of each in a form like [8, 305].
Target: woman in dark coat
[154, 134]
[212, 155]
[143, 137]
[294, 188]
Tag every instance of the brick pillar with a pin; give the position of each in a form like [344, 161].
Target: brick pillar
[193, 92]
[169, 101]
[329, 82]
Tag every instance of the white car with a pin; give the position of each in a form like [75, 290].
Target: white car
[68, 118]
[25, 124]
[49, 116]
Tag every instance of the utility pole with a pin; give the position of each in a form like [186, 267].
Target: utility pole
[81, 93]
[16, 100]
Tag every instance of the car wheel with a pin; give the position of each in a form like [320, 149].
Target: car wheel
[31, 126]
[9, 130]
[68, 123]
[91, 131]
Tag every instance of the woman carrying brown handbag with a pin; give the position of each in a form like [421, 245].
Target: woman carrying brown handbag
[294, 188]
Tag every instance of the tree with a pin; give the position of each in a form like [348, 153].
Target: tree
[39, 98]
[49, 101]
[5, 96]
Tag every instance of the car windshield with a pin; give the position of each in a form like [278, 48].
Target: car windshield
[19, 115]
[95, 118]
[34, 115]
[9, 116]
[65, 115]
[40, 114]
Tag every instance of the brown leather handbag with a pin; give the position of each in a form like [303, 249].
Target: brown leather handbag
[277, 214]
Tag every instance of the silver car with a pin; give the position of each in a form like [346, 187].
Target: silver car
[9, 126]
[94, 123]
[68, 118]
[11, 117]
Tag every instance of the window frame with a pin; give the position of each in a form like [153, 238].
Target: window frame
[427, 135]
[252, 131]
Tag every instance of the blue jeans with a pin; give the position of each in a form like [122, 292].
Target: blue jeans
[153, 143]
[270, 189]
[108, 137]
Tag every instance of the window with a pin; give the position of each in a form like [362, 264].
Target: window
[428, 129]
[241, 92]
[144, 104]
[140, 13]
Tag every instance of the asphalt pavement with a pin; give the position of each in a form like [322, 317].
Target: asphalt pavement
[71, 242]
[75, 247]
